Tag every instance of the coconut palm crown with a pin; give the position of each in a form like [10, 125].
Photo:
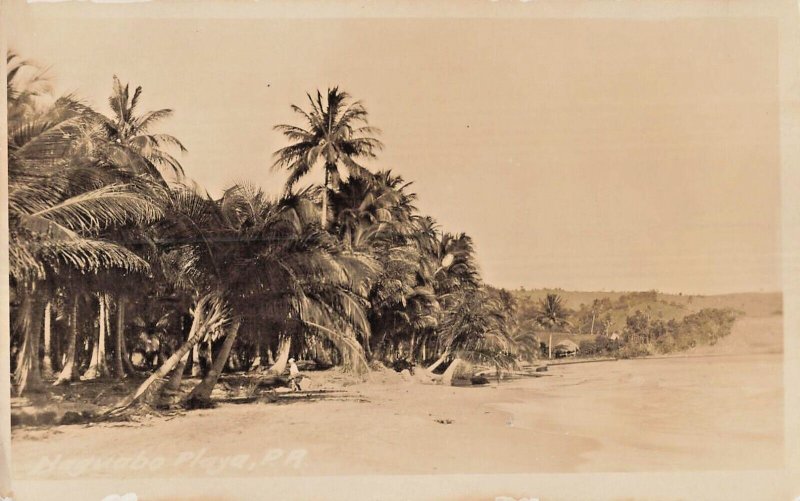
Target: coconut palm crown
[337, 135]
[130, 133]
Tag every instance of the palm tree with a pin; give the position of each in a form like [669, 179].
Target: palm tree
[551, 314]
[374, 211]
[337, 135]
[254, 258]
[280, 269]
[453, 272]
[61, 203]
[22, 86]
[476, 329]
[133, 145]
[454, 265]
[377, 215]
[54, 234]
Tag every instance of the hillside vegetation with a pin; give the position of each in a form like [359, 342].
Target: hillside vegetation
[630, 324]
[752, 304]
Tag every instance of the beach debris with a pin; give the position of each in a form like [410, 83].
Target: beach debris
[403, 365]
[444, 421]
[72, 417]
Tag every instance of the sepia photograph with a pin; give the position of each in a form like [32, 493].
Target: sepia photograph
[496, 250]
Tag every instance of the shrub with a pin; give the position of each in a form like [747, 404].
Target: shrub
[633, 350]
[588, 348]
[666, 344]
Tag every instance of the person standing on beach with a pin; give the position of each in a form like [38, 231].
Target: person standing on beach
[294, 375]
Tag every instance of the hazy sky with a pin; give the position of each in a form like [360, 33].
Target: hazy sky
[595, 154]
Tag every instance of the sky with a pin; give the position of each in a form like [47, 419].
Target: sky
[581, 154]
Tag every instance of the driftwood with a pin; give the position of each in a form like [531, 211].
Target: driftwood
[274, 381]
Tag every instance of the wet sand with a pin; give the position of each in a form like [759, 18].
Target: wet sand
[704, 411]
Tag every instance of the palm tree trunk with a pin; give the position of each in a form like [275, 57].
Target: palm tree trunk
[47, 361]
[283, 356]
[202, 392]
[174, 384]
[324, 213]
[150, 389]
[56, 342]
[126, 358]
[259, 348]
[28, 374]
[447, 377]
[210, 348]
[380, 346]
[97, 366]
[69, 371]
[196, 360]
[550, 347]
[119, 339]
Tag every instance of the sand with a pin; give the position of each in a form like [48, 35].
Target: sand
[717, 408]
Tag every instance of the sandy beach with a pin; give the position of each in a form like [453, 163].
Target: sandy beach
[691, 412]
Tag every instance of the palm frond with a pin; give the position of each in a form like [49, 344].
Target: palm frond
[97, 209]
[90, 256]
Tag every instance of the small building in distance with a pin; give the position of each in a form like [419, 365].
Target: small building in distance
[566, 348]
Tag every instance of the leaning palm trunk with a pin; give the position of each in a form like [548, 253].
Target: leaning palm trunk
[69, 370]
[439, 362]
[174, 384]
[47, 361]
[28, 373]
[449, 374]
[283, 356]
[176, 379]
[202, 392]
[150, 390]
[97, 366]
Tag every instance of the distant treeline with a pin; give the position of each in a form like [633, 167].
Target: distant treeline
[630, 325]
[644, 336]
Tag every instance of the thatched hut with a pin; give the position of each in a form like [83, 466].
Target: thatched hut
[566, 348]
